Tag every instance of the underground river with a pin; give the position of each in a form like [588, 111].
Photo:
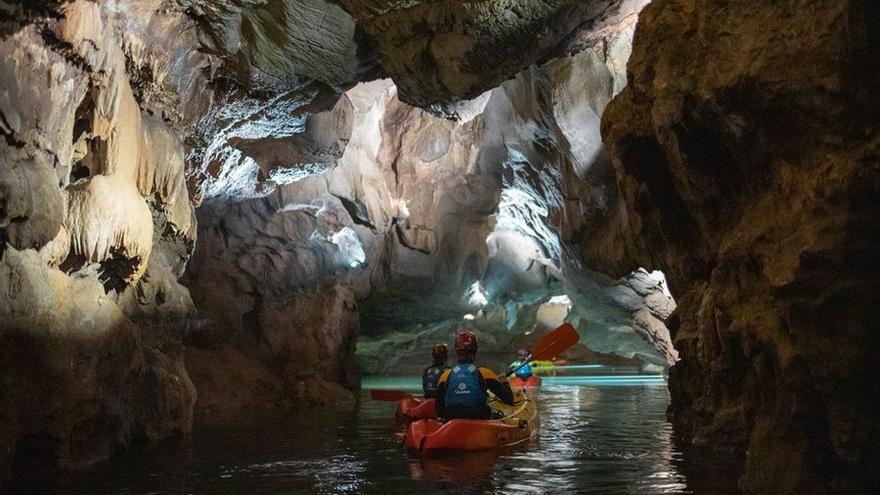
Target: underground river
[603, 434]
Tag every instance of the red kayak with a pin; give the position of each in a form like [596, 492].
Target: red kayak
[529, 383]
[519, 425]
[412, 408]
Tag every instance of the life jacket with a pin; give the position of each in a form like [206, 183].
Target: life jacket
[430, 378]
[464, 387]
[524, 372]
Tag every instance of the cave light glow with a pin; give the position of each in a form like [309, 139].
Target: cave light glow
[525, 207]
[660, 278]
[562, 300]
[476, 295]
[349, 246]
[295, 173]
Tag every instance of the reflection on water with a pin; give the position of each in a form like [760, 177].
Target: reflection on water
[602, 438]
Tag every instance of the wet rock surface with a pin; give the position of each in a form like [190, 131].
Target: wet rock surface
[747, 171]
[292, 352]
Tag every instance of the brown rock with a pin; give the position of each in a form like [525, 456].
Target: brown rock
[293, 352]
[745, 151]
[447, 50]
[91, 355]
[92, 380]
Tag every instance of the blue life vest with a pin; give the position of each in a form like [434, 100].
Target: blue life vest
[524, 372]
[463, 387]
[430, 378]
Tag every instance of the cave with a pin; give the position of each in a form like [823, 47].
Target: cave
[230, 228]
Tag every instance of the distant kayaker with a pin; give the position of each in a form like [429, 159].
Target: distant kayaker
[431, 375]
[462, 390]
[523, 369]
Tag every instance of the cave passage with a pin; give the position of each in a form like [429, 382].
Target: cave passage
[234, 232]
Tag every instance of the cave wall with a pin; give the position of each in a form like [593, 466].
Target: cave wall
[116, 116]
[443, 56]
[432, 205]
[272, 63]
[539, 145]
[745, 155]
[437, 52]
[399, 203]
[96, 227]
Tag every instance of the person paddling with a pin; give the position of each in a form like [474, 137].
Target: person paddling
[462, 390]
[431, 375]
[521, 367]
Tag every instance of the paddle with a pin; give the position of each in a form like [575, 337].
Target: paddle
[552, 345]
[389, 395]
[547, 347]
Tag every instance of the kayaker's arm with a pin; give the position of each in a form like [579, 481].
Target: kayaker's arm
[497, 386]
[440, 400]
[513, 366]
[440, 397]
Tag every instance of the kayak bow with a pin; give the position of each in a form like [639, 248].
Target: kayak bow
[519, 424]
[531, 382]
[412, 408]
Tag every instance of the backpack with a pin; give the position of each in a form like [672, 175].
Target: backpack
[430, 378]
[464, 387]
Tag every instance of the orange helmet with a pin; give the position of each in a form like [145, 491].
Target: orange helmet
[466, 343]
[440, 352]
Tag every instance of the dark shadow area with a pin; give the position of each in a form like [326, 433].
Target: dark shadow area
[34, 465]
[708, 470]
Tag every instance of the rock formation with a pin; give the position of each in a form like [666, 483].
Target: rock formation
[747, 170]
[97, 227]
[441, 51]
[112, 116]
[353, 157]
[435, 206]
[285, 270]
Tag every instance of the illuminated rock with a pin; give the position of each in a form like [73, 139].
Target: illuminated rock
[91, 346]
[108, 379]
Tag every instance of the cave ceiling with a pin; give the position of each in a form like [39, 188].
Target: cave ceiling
[435, 51]
[273, 63]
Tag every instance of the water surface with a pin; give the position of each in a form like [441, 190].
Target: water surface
[599, 435]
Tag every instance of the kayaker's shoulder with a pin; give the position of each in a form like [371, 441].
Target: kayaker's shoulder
[445, 375]
[488, 374]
